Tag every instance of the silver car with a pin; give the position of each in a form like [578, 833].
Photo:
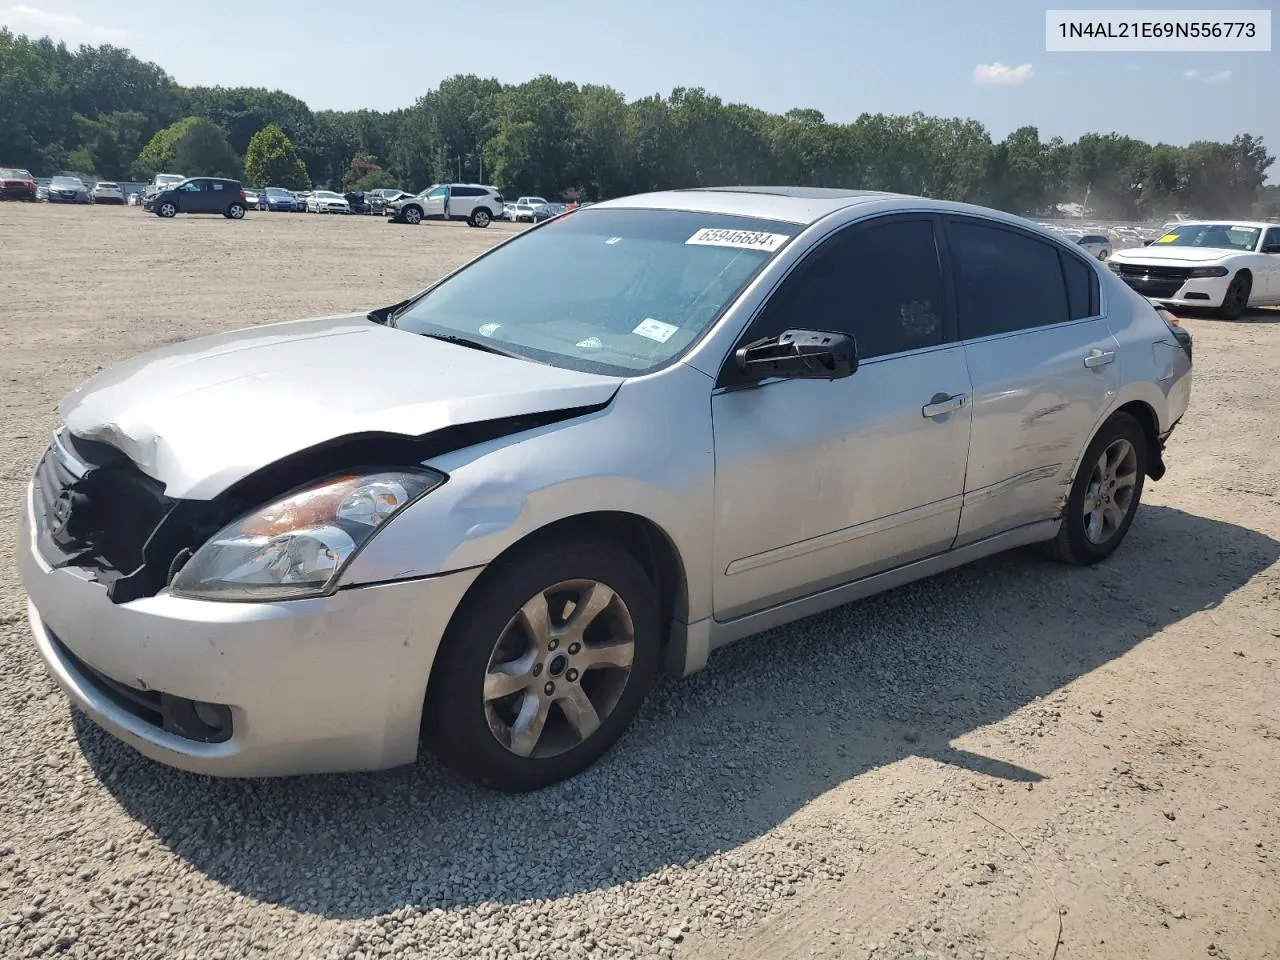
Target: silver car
[491, 521]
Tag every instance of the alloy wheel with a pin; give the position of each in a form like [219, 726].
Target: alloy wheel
[1109, 496]
[559, 668]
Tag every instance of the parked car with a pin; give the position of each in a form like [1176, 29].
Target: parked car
[474, 530]
[357, 201]
[17, 184]
[105, 191]
[378, 199]
[277, 198]
[200, 195]
[326, 201]
[253, 198]
[526, 207]
[547, 211]
[161, 181]
[1097, 244]
[42, 191]
[300, 201]
[477, 204]
[508, 210]
[1226, 266]
[68, 190]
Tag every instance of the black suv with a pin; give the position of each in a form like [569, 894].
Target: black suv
[199, 195]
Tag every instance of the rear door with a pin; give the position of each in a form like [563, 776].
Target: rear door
[220, 195]
[1043, 364]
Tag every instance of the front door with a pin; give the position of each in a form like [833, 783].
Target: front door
[820, 482]
[1044, 366]
[1271, 265]
[433, 203]
[191, 196]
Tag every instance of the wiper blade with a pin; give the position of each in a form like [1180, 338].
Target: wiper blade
[475, 345]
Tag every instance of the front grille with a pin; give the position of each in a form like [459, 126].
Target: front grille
[1154, 272]
[1157, 288]
[101, 515]
[164, 711]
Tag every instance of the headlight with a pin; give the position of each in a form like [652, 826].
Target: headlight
[1115, 267]
[299, 545]
[1208, 272]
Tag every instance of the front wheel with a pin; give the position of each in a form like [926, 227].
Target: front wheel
[412, 215]
[544, 666]
[167, 210]
[1236, 299]
[1105, 495]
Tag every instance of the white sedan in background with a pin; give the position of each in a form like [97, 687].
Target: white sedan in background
[326, 201]
[106, 192]
[1225, 266]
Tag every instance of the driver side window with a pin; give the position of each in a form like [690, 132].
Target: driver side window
[880, 283]
[192, 186]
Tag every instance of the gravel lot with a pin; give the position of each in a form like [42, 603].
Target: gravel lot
[968, 767]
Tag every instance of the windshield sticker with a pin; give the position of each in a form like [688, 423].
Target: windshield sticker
[1168, 238]
[591, 343]
[655, 330]
[612, 240]
[489, 329]
[741, 239]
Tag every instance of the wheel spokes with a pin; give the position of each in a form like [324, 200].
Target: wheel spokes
[579, 711]
[617, 654]
[592, 602]
[504, 679]
[535, 617]
[527, 729]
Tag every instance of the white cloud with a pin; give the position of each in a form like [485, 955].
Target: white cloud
[59, 26]
[1222, 76]
[997, 74]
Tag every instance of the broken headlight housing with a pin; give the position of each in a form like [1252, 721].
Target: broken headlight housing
[299, 545]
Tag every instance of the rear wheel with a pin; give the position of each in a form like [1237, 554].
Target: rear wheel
[544, 666]
[235, 211]
[1236, 299]
[480, 217]
[1105, 495]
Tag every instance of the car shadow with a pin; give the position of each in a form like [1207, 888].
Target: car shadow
[714, 760]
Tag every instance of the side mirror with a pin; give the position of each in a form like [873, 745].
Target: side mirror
[1271, 248]
[800, 355]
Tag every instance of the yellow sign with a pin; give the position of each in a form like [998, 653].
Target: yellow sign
[1168, 238]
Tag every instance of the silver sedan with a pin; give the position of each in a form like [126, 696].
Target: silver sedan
[491, 521]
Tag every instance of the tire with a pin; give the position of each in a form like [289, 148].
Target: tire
[235, 212]
[1089, 536]
[1236, 300]
[477, 737]
[411, 215]
[167, 210]
[480, 217]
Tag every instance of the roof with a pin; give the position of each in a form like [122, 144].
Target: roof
[800, 205]
[1247, 224]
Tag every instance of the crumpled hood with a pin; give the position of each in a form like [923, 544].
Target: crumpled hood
[199, 416]
[1165, 253]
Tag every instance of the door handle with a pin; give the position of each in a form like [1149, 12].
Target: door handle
[1099, 358]
[942, 404]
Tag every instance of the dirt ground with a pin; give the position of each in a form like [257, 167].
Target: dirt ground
[1069, 763]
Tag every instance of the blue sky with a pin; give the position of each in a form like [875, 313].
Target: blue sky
[840, 57]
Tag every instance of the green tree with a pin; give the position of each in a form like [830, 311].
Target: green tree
[376, 179]
[271, 160]
[194, 146]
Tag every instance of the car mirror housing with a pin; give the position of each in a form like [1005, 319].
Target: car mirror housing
[799, 355]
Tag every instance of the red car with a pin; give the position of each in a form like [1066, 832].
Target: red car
[16, 184]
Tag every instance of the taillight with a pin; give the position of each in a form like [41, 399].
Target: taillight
[243, 196]
[1169, 318]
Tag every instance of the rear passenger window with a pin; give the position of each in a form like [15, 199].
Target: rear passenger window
[1005, 281]
[1082, 287]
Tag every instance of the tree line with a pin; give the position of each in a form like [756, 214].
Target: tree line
[102, 111]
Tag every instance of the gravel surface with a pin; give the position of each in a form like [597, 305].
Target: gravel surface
[971, 767]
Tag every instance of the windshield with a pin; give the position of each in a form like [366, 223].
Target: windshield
[14, 173]
[170, 178]
[278, 192]
[619, 292]
[106, 185]
[66, 182]
[1216, 235]
[326, 195]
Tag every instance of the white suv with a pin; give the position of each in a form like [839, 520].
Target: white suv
[475, 203]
